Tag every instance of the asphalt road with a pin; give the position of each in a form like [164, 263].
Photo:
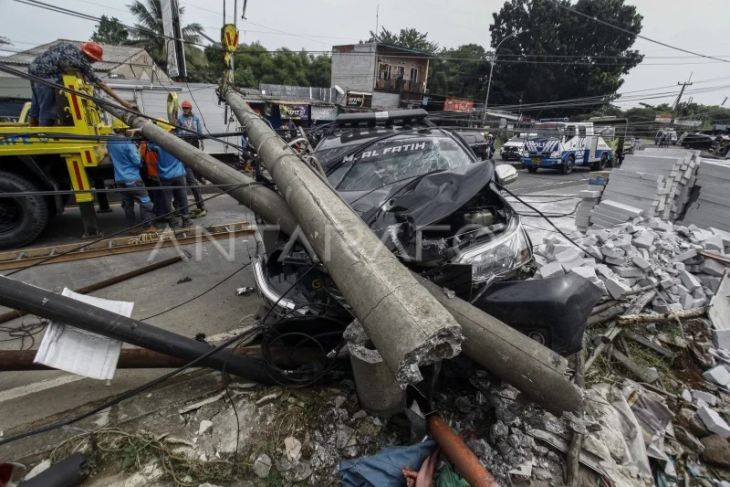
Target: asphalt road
[549, 180]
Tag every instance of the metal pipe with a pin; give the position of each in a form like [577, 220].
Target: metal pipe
[407, 325]
[17, 294]
[266, 203]
[16, 313]
[453, 447]
[141, 358]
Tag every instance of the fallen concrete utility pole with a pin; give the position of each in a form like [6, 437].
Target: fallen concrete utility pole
[538, 372]
[17, 294]
[266, 203]
[16, 313]
[407, 325]
[535, 370]
[141, 358]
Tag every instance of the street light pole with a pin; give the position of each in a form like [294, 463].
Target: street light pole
[491, 70]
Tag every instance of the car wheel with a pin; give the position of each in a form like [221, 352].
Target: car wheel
[532, 169]
[567, 168]
[600, 164]
[22, 219]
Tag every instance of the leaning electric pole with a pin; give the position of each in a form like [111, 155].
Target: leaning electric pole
[679, 97]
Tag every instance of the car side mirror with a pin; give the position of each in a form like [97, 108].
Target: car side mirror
[506, 174]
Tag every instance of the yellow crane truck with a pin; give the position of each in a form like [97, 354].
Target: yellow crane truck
[37, 161]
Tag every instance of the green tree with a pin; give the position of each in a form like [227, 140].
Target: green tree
[409, 38]
[110, 31]
[255, 64]
[149, 34]
[459, 72]
[558, 54]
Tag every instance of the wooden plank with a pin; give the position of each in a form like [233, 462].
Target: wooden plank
[119, 245]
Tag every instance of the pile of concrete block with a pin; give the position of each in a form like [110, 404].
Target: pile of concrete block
[640, 254]
[650, 183]
[711, 209]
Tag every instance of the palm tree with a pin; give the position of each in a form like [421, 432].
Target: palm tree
[149, 33]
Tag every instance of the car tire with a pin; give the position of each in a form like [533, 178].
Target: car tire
[567, 168]
[24, 218]
[532, 169]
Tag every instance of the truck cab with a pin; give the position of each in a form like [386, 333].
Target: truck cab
[570, 145]
[41, 161]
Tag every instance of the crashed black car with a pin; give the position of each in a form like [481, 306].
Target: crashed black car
[438, 207]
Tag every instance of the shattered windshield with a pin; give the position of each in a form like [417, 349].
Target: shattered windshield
[397, 159]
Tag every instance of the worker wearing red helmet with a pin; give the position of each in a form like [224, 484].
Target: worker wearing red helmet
[189, 129]
[62, 58]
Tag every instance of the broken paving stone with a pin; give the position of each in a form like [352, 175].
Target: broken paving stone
[710, 399]
[585, 272]
[644, 239]
[718, 375]
[552, 269]
[293, 448]
[713, 267]
[568, 255]
[640, 262]
[262, 466]
[205, 425]
[689, 280]
[629, 272]
[617, 288]
[713, 421]
[345, 437]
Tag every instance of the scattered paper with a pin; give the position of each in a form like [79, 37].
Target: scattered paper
[79, 351]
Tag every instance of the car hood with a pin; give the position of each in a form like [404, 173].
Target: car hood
[419, 201]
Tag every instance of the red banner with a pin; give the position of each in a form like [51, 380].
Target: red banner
[452, 104]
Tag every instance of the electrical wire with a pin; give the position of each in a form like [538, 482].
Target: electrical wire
[103, 102]
[128, 394]
[124, 230]
[636, 34]
[547, 218]
[211, 288]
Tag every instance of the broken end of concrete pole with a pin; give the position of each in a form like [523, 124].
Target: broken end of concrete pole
[444, 345]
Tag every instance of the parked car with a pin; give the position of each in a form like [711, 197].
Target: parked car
[512, 149]
[439, 209]
[476, 141]
[697, 141]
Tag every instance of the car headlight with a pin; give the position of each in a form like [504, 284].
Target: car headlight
[525, 153]
[554, 154]
[505, 253]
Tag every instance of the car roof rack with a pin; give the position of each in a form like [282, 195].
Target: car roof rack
[417, 116]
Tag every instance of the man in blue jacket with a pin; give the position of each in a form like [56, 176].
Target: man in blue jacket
[126, 161]
[172, 173]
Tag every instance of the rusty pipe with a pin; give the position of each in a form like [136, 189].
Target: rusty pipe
[455, 450]
[141, 358]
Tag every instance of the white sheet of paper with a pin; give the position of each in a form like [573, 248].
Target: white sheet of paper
[79, 351]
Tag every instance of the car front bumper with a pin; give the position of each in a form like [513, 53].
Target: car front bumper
[538, 161]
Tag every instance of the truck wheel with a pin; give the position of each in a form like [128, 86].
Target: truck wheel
[600, 164]
[23, 218]
[567, 168]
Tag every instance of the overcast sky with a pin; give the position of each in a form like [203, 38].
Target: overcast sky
[701, 25]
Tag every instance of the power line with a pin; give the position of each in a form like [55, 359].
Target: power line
[626, 31]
